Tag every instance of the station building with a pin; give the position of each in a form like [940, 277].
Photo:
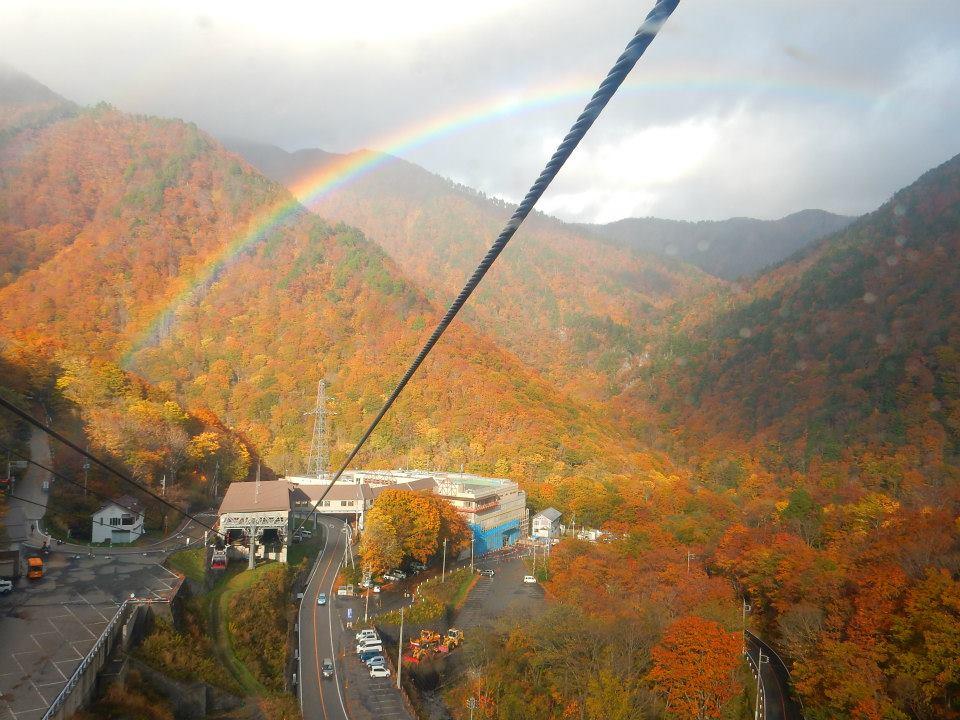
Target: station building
[258, 514]
[494, 508]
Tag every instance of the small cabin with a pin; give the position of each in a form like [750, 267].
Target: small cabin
[119, 521]
[546, 524]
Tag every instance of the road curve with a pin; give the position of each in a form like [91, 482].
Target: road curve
[779, 702]
[321, 699]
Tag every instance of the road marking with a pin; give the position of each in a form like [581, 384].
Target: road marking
[330, 624]
[316, 649]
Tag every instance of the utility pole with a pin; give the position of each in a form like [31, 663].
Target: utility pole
[472, 705]
[366, 605]
[163, 485]
[400, 649]
[690, 556]
[253, 548]
[86, 471]
[216, 477]
[256, 496]
[443, 572]
[319, 457]
[471, 551]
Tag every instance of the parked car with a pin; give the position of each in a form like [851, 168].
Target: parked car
[327, 668]
[322, 599]
[486, 572]
[400, 574]
[5, 587]
[376, 588]
[375, 660]
[369, 632]
[379, 672]
[530, 579]
[390, 577]
[364, 656]
[368, 646]
[419, 567]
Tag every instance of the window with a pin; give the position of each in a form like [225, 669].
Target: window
[127, 520]
[114, 521]
[344, 503]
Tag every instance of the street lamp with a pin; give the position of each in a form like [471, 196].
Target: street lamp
[746, 608]
[472, 705]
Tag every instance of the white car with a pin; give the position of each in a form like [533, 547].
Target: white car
[5, 587]
[368, 633]
[379, 671]
[530, 579]
[368, 647]
[322, 599]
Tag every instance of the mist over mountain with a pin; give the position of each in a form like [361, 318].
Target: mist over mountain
[729, 249]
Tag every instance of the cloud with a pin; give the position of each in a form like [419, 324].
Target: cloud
[740, 107]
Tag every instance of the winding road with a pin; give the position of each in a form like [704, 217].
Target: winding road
[779, 703]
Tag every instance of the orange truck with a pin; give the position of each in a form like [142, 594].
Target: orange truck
[34, 567]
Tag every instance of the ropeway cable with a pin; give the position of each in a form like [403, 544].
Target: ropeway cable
[618, 73]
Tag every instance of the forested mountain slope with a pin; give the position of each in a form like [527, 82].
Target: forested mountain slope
[575, 307]
[729, 249]
[147, 242]
[856, 342]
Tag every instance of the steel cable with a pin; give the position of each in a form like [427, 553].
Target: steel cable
[618, 73]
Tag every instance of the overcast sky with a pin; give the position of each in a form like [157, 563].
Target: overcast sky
[740, 107]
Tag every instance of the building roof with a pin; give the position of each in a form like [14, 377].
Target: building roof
[550, 514]
[245, 497]
[340, 491]
[124, 502]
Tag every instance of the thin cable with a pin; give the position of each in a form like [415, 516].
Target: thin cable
[618, 73]
[102, 496]
[53, 433]
[23, 499]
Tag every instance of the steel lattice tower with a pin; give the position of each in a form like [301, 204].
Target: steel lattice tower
[319, 458]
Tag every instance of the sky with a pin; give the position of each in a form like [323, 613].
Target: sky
[739, 108]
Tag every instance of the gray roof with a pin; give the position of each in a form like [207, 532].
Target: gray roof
[550, 514]
[124, 502]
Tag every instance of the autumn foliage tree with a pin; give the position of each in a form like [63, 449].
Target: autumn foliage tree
[405, 525]
[694, 668]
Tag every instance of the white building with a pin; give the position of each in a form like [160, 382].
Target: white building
[546, 524]
[118, 522]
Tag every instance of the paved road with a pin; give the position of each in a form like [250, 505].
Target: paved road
[321, 699]
[30, 488]
[779, 703]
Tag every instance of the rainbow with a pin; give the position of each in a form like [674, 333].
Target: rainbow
[346, 168]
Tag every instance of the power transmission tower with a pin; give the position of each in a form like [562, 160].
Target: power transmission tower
[319, 458]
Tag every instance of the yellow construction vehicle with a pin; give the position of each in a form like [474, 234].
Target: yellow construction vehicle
[452, 639]
[429, 637]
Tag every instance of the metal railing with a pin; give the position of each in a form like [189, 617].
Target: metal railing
[74, 679]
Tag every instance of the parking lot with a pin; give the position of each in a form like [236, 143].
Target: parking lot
[48, 626]
[504, 593]
[366, 697]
